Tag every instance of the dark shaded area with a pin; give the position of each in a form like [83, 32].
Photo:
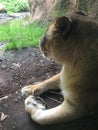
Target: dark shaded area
[20, 68]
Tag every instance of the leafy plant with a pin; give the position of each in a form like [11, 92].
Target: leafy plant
[82, 5]
[15, 5]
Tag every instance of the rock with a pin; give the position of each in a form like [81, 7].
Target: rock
[92, 7]
[2, 9]
[46, 10]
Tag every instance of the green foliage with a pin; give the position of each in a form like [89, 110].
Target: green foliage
[61, 8]
[15, 5]
[22, 5]
[82, 5]
[19, 36]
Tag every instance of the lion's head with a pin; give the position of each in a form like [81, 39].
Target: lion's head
[54, 43]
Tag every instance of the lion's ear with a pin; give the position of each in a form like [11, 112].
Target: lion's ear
[63, 25]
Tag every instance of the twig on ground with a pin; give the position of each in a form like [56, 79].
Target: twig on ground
[54, 100]
[55, 92]
[5, 97]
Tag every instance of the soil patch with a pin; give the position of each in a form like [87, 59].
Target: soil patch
[23, 67]
[19, 68]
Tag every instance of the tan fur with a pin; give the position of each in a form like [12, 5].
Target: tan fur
[73, 42]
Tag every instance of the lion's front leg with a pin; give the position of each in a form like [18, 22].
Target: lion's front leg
[64, 112]
[52, 83]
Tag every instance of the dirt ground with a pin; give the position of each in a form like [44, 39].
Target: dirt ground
[23, 67]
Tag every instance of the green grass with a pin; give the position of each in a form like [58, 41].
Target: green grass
[18, 36]
[15, 5]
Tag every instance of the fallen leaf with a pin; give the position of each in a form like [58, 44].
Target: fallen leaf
[3, 116]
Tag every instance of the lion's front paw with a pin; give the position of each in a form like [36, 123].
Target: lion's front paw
[26, 91]
[32, 104]
[37, 91]
[32, 90]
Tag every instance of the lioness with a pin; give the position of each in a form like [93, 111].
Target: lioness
[73, 42]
